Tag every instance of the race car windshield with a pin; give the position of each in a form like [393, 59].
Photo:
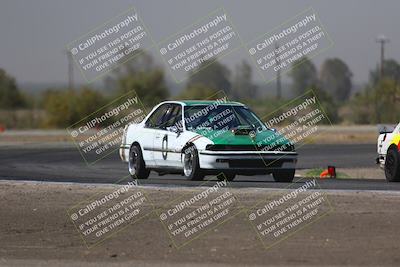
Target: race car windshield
[221, 117]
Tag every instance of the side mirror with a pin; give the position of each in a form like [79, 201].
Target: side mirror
[174, 129]
[271, 129]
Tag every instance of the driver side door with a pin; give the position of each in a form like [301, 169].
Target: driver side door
[166, 152]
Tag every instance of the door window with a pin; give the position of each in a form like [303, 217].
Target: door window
[156, 119]
[173, 117]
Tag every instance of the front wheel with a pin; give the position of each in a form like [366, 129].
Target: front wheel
[136, 165]
[191, 165]
[392, 165]
[283, 176]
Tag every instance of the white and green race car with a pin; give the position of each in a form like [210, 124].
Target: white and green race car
[198, 138]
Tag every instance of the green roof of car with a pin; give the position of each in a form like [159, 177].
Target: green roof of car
[209, 102]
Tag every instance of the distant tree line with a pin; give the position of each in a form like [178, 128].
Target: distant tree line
[10, 96]
[376, 103]
[379, 102]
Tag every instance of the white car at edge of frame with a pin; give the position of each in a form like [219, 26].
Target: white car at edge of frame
[388, 150]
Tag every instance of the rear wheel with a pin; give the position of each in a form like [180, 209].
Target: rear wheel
[136, 165]
[283, 176]
[228, 176]
[191, 166]
[392, 165]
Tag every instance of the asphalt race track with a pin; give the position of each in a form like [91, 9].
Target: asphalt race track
[65, 164]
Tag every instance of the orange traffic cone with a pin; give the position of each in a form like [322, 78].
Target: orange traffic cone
[324, 174]
[331, 171]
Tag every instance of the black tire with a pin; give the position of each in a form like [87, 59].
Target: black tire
[392, 165]
[191, 165]
[136, 166]
[283, 176]
[228, 176]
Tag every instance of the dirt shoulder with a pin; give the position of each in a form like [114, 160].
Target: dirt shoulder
[347, 173]
[361, 229]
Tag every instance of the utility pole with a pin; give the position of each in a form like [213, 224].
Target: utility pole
[382, 40]
[278, 73]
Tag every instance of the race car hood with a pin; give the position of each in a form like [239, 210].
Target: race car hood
[259, 138]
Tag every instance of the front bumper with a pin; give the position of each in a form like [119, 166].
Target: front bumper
[247, 160]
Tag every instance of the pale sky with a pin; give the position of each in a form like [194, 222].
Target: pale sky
[34, 32]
